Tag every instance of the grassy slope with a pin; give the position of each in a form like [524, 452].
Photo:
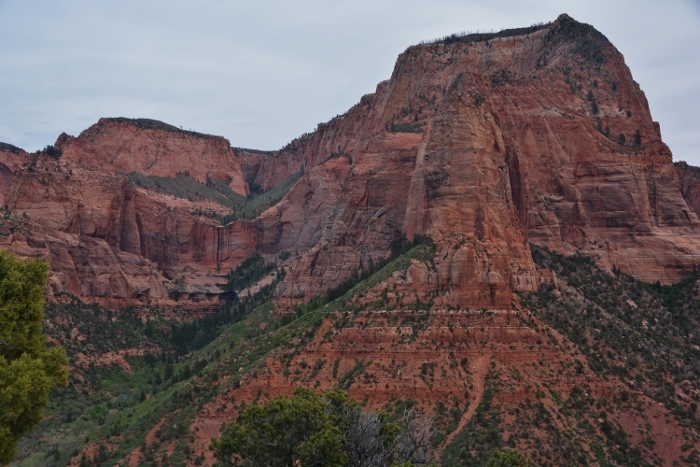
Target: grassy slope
[646, 335]
[640, 337]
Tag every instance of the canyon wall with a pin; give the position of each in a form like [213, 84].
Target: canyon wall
[485, 144]
[112, 241]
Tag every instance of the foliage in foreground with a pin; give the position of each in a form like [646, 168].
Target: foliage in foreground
[328, 429]
[507, 458]
[28, 370]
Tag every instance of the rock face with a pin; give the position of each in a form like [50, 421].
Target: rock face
[109, 240]
[690, 184]
[11, 159]
[485, 143]
[154, 148]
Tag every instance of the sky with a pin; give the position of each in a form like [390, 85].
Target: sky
[261, 73]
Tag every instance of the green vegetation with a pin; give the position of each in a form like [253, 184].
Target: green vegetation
[589, 43]
[261, 200]
[468, 37]
[186, 337]
[183, 186]
[180, 367]
[594, 105]
[10, 148]
[150, 124]
[248, 273]
[328, 429]
[218, 191]
[645, 335]
[28, 369]
[501, 77]
[507, 458]
[402, 252]
[642, 334]
[406, 128]
[52, 151]
[624, 326]
[637, 141]
[477, 441]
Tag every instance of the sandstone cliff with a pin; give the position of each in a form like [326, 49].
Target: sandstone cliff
[109, 240]
[11, 159]
[484, 143]
[690, 184]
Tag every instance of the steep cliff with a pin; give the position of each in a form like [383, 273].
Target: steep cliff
[689, 177]
[485, 143]
[494, 146]
[110, 240]
[155, 148]
[11, 159]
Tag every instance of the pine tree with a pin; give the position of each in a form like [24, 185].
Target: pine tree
[28, 369]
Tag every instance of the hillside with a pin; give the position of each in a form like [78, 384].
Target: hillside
[497, 237]
[567, 377]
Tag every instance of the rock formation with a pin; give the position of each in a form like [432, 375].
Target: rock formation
[109, 240]
[11, 159]
[484, 143]
[690, 184]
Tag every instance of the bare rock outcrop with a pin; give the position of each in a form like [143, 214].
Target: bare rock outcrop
[117, 243]
[485, 143]
[11, 159]
[154, 148]
[689, 177]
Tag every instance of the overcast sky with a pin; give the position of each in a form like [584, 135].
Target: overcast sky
[263, 72]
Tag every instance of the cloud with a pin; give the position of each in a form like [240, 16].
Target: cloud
[262, 73]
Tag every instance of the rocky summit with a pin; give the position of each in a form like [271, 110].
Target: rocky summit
[466, 238]
[483, 143]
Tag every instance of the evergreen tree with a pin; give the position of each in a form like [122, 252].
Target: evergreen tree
[326, 429]
[28, 369]
[508, 458]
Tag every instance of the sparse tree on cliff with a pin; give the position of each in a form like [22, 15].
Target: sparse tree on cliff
[637, 139]
[28, 369]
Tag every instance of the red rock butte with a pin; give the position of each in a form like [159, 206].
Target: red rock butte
[485, 143]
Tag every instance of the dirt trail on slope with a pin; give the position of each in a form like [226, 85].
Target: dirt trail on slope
[479, 369]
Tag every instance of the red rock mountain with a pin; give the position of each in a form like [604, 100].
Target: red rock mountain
[538, 135]
[108, 239]
[486, 143]
[486, 146]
